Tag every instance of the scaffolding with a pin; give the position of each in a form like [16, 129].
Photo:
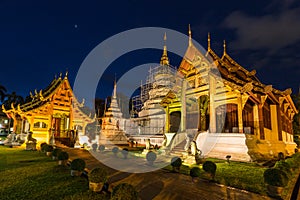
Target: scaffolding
[160, 76]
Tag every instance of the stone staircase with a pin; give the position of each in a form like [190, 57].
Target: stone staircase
[179, 150]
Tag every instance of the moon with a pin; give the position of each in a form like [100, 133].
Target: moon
[75, 26]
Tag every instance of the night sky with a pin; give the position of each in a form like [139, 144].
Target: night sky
[41, 39]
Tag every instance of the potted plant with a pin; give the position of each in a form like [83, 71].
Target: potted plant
[55, 153]
[97, 178]
[195, 172]
[77, 167]
[275, 179]
[62, 158]
[115, 150]
[151, 157]
[210, 168]
[101, 148]
[125, 152]
[176, 163]
[124, 191]
[94, 146]
[48, 149]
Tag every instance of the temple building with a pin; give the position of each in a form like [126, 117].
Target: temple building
[53, 111]
[112, 132]
[226, 109]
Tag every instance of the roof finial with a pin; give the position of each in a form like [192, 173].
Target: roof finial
[208, 41]
[190, 35]
[224, 46]
[115, 88]
[164, 58]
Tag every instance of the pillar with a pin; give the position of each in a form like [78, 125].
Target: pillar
[240, 115]
[183, 106]
[212, 110]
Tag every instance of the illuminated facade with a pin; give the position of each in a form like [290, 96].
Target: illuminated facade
[52, 111]
[227, 109]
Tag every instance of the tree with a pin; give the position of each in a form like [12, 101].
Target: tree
[14, 99]
[2, 93]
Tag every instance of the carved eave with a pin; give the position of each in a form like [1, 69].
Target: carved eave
[168, 99]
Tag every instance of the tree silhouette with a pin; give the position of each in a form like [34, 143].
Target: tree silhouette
[14, 99]
[2, 93]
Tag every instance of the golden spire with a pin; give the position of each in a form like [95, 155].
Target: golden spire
[208, 41]
[190, 35]
[164, 58]
[115, 89]
[224, 46]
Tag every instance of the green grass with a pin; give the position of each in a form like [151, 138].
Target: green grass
[32, 175]
[246, 176]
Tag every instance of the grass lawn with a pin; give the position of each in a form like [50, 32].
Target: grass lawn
[246, 176]
[32, 175]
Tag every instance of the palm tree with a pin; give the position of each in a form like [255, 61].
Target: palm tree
[2, 93]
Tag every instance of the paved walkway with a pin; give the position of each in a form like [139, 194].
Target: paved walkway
[162, 184]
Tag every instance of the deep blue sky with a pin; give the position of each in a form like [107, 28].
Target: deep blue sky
[42, 38]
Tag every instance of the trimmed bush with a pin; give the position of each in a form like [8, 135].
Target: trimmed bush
[275, 177]
[101, 148]
[195, 172]
[43, 145]
[151, 157]
[210, 167]
[56, 151]
[48, 148]
[292, 163]
[115, 150]
[98, 175]
[125, 152]
[124, 191]
[77, 164]
[94, 146]
[63, 156]
[284, 166]
[176, 163]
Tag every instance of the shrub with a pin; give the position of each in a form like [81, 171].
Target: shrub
[275, 177]
[77, 164]
[94, 146]
[115, 150]
[293, 164]
[151, 156]
[48, 148]
[176, 163]
[283, 166]
[125, 152]
[195, 172]
[101, 148]
[98, 175]
[55, 152]
[63, 156]
[42, 145]
[124, 191]
[210, 167]
[280, 156]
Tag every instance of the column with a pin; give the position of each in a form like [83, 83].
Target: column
[167, 125]
[183, 106]
[256, 120]
[212, 110]
[240, 115]
[261, 122]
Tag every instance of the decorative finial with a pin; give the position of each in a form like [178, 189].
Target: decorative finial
[224, 46]
[190, 35]
[66, 74]
[164, 58]
[115, 89]
[208, 41]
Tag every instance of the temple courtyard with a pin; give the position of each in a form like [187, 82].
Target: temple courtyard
[33, 175]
